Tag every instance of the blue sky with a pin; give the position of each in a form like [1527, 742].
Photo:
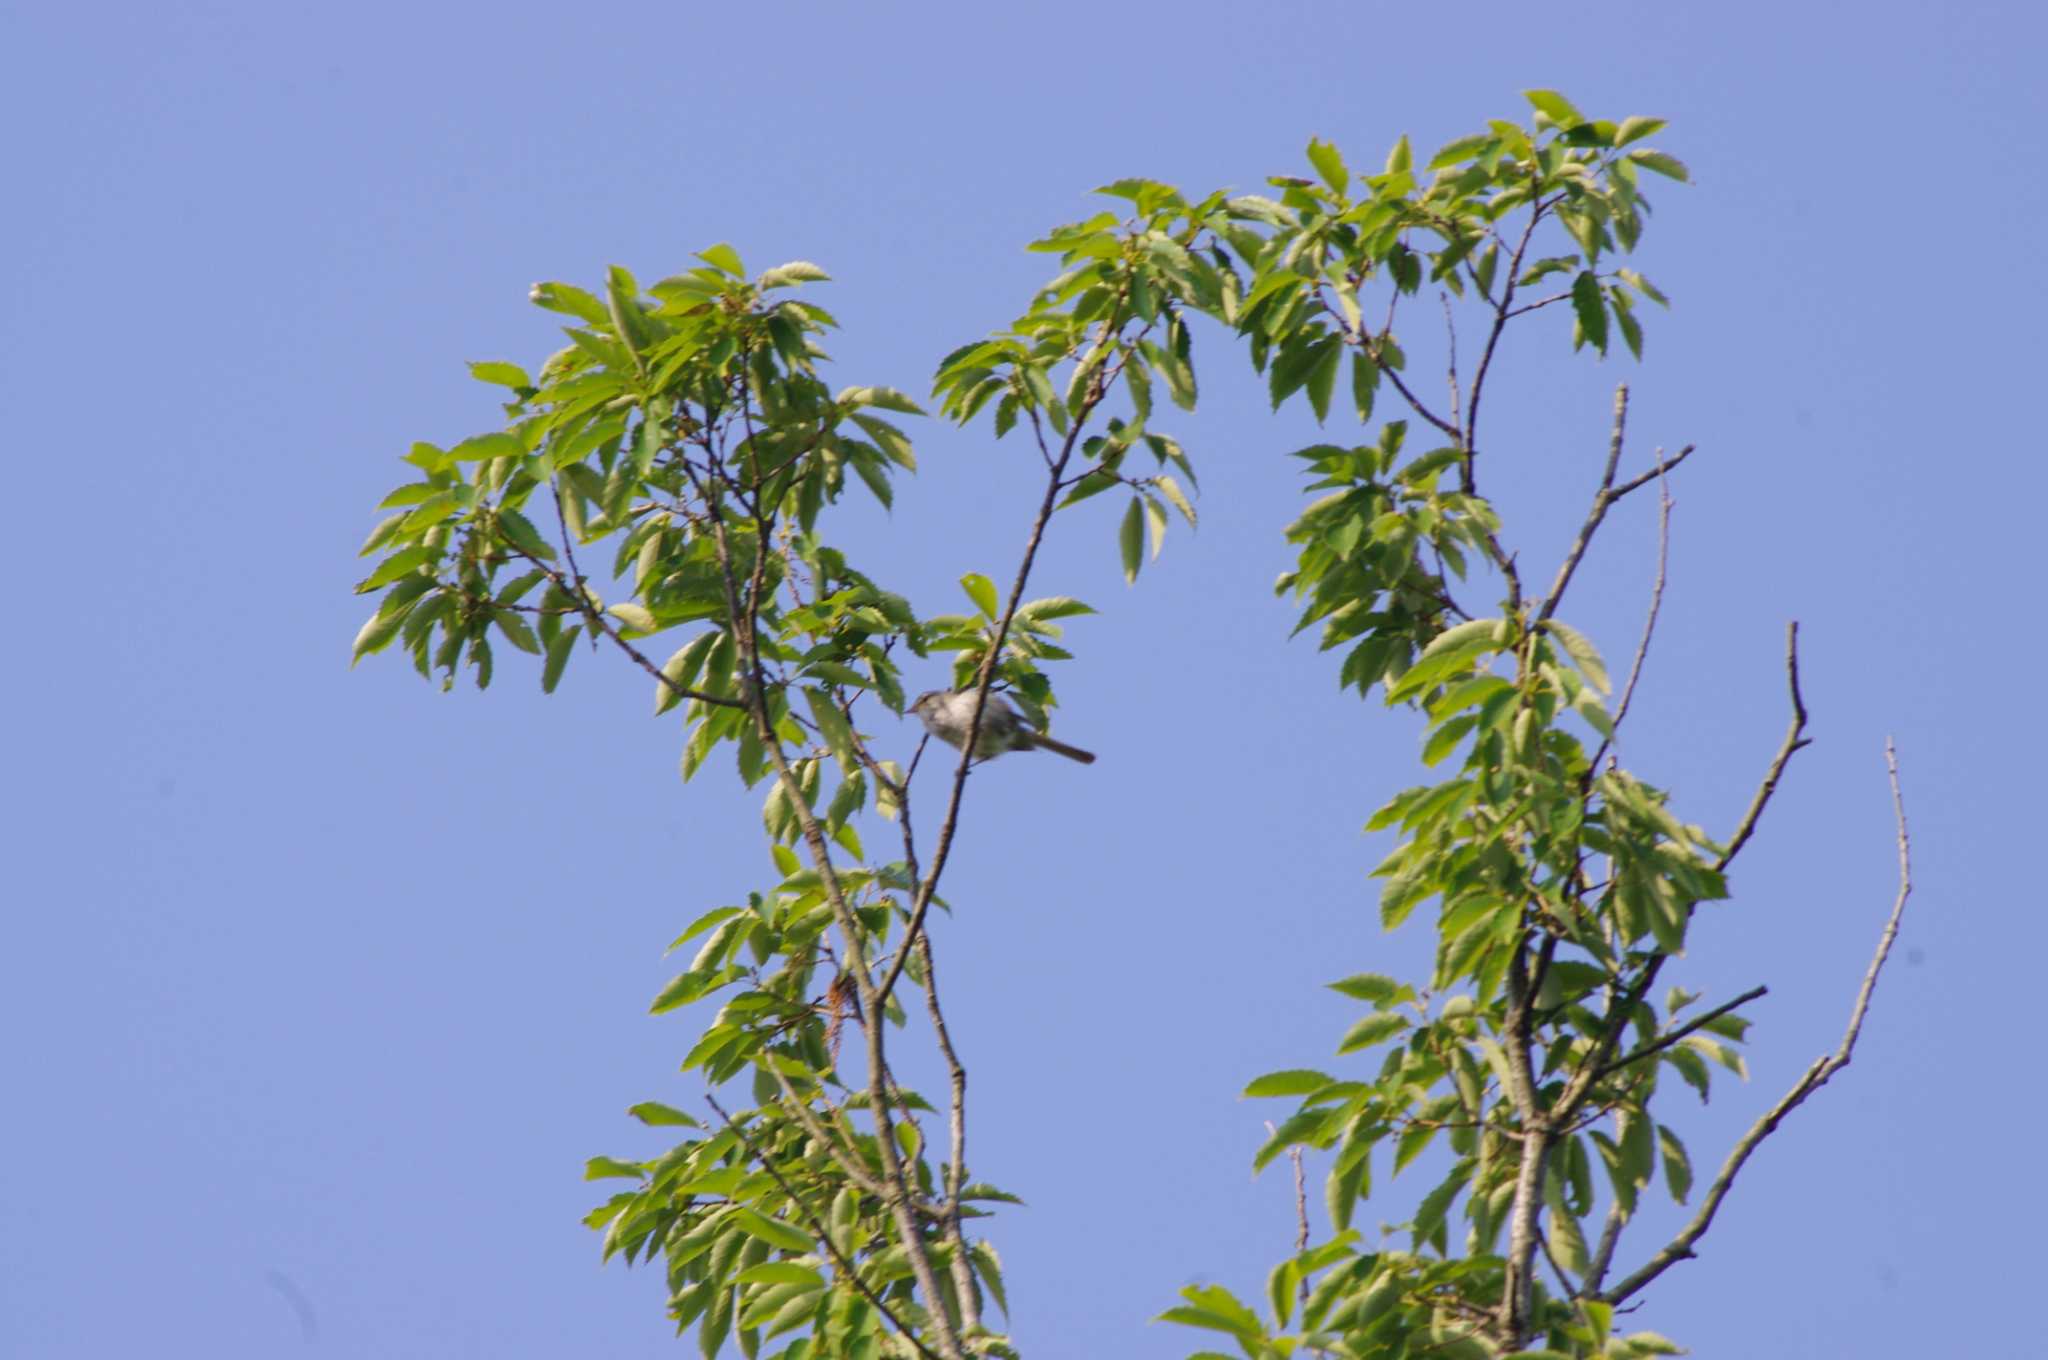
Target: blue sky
[322, 977]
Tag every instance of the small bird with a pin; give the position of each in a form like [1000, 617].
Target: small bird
[947, 715]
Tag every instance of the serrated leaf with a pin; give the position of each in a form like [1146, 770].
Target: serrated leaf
[1170, 488]
[1329, 164]
[982, 591]
[1376, 1028]
[1155, 517]
[1582, 653]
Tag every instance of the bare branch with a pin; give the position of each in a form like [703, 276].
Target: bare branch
[847, 1269]
[1664, 465]
[1602, 498]
[1795, 738]
[1635, 669]
[1680, 1248]
[1603, 1253]
[1451, 345]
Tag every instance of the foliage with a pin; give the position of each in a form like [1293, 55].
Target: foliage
[687, 432]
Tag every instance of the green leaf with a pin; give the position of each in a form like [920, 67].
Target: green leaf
[1582, 653]
[990, 1267]
[1590, 304]
[398, 564]
[1170, 488]
[516, 631]
[1322, 378]
[1330, 165]
[599, 1168]
[635, 617]
[1662, 164]
[655, 1113]
[773, 1232]
[1376, 1028]
[680, 671]
[1635, 127]
[483, 446]
[1377, 988]
[796, 271]
[724, 258]
[570, 300]
[1677, 1166]
[780, 1272]
[982, 591]
[888, 398]
[504, 375]
[1555, 107]
[518, 529]
[1155, 516]
[1131, 539]
[1216, 1309]
[559, 648]
[1295, 1081]
[1053, 607]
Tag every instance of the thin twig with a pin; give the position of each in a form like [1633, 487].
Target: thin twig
[1602, 498]
[1451, 344]
[1635, 669]
[1659, 1045]
[847, 1269]
[993, 659]
[1603, 1253]
[1795, 738]
[602, 626]
[1663, 466]
[1581, 1083]
[1680, 1248]
[1469, 440]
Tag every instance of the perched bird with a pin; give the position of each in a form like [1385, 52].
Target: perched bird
[947, 715]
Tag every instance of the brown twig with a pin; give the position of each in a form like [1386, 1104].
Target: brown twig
[1659, 1045]
[1602, 498]
[1680, 1248]
[1795, 738]
[1663, 466]
[993, 659]
[1635, 669]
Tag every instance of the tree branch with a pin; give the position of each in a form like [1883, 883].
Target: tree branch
[1664, 465]
[847, 1269]
[1659, 1045]
[1680, 1248]
[1635, 669]
[1795, 738]
[1602, 498]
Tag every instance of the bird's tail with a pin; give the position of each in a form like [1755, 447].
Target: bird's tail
[1043, 742]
